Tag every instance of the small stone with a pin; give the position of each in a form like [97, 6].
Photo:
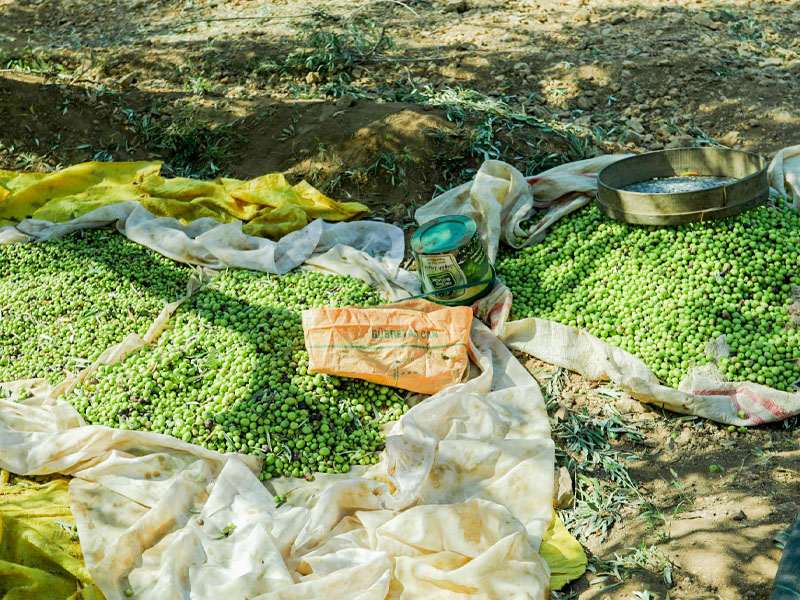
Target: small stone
[521, 66]
[627, 405]
[628, 64]
[541, 112]
[664, 62]
[313, 77]
[581, 16]
[617, 19]
[346, 101]
[562, 495]
[739, 516]
[771, 62]
[456, 6]
[793, 67]
[561, 414]
[635, 125]
[584, 102]
[732, 138]
[681, 141]
[704, 20]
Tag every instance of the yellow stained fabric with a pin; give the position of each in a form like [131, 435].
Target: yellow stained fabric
[563, 554]
[40, 557]
[268, 205]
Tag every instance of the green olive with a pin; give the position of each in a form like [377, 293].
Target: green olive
[663, 293]
[231, 373]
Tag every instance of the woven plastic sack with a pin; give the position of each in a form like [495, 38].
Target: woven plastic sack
[500, 199]
[415, 344]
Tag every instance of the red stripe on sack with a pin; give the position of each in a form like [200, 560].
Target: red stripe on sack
[715, 392]
[773, 408]
[732, 395]
[768, 404]
[753, 417]
[498, 309]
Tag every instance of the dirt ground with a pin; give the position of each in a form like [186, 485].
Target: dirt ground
[387, 103]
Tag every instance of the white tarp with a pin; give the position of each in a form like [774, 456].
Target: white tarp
[209, 244]
[456, 508]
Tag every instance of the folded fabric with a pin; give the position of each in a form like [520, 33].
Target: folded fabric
[40, 557]
[563, 554]
[269, 206]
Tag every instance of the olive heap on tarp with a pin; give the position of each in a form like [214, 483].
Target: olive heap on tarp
[231, 375]
[63, 302]
[664, 293]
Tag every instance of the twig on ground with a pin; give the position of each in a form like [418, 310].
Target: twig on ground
[361, 8]
[251, 18]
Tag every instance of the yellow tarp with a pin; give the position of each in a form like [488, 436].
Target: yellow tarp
[563, 554]
[269, 205]
[40, 556]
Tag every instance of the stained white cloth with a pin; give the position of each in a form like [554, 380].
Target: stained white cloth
[456, 508]
[378, 247]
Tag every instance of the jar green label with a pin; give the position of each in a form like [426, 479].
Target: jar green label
[440, 271]
[463, 264]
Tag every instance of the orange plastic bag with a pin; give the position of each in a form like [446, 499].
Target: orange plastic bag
[414, 344]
